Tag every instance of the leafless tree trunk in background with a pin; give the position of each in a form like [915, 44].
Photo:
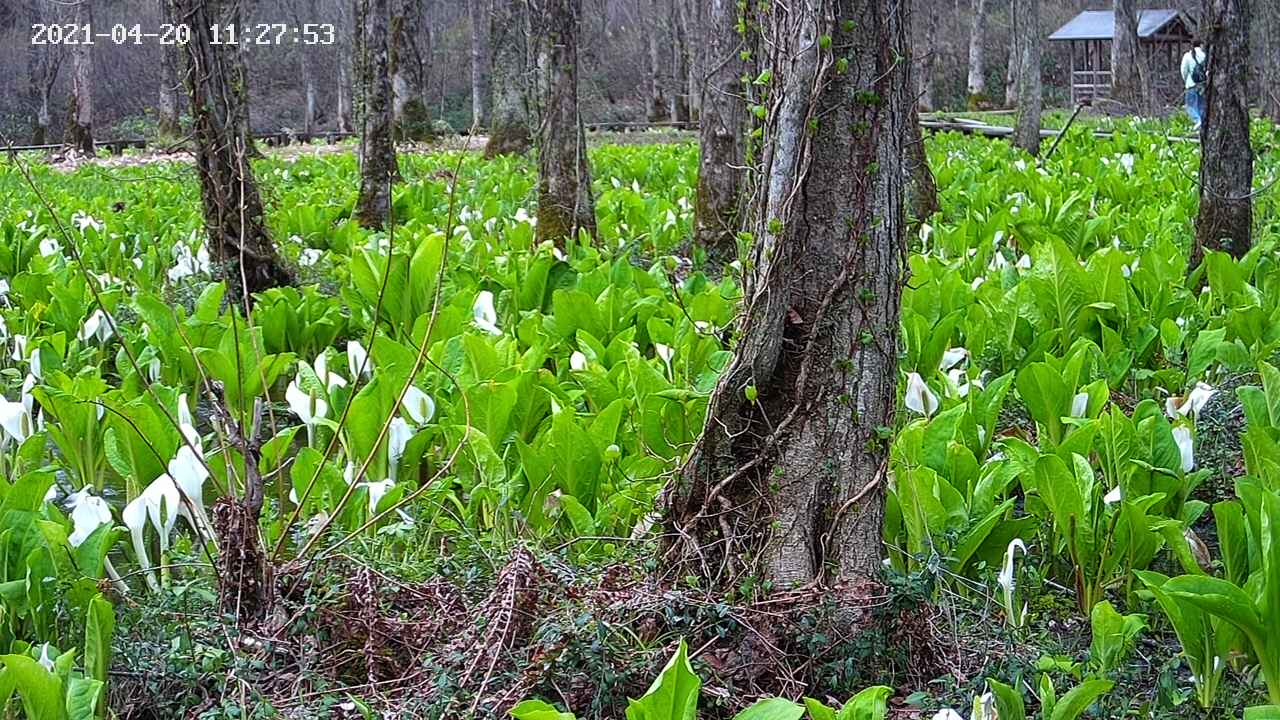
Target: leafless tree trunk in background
[509, 111]
[410, 81]
[788, 479]
[378, 165]
[1011, 74]
[1026, 33]
[1226, 156]
[718, 212]
[690, 15]
[303, 11]
[345, 50]
[42, 72]
[977, 54]
[679, 64]
[1128, 70]
[1270, 85]
[167, 100]
[479, 11]
[927, 59]
[658, 111]
[566, 203]
[233, 211]
[79, 132]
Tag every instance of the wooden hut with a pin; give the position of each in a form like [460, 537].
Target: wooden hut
[1163, 36]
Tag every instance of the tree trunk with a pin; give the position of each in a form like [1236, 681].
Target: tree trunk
[1128, 71]
[305, 9]
[787, 481]
[79, 133]
[1270, 12]
[566, 203]
[658, 111]
[1226, 157]
[1011, 74]
[1026, 32]
[345, 52]
[167, 124]
[927, 59]
[479, 11]
[717, 214]
[680, 66]
[378, 165]
[690, 21]
[509, 121]
[977, 55]
[42, 72]
[233, 212]
[922, 191]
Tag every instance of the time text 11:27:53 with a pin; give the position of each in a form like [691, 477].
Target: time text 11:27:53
[180, 34]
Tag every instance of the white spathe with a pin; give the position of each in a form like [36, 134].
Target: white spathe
[919, 398]
[485, 316]
[97, 326]
[88, 513]
[376, 492]
[577, 361]
[158, 506]
[1191, 404]
[1113, 497]
[308, 409]
[358, 359]
[1186, 447]
[398, 436]
[1080, 405]
[328, 378]
[953, 357]
[418, 406]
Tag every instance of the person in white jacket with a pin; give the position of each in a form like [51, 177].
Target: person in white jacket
[1194, 73]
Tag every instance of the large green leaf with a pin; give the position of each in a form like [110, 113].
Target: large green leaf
[539, 710]
[1078, 699]
[39, 689]
[673, 694]
[775, 708]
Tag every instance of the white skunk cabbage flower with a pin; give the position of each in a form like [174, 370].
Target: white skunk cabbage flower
[486, 317]
[664, 352]
[358, 359]
[329, 379]
[1191, 404]
[1024, 263]
[398, 435]
[952, 358]
[1080, 405]
[158, 505]
[376, 492]
[418, 406]
[49, 246]
[84, 221]
[1113, 497]
[16, 417]
[919, 398]
[88, 513]
[97, 326]
[309, 256]
[577, 361]
[947, 714]
[1008, 583]
[45, 660]
[308, 409]
[1186, 447]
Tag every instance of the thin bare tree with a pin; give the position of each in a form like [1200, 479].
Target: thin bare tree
[977, 81]
[1269, 12]
[566, 203]
[43, 62]
[79, 132]
[378, 163]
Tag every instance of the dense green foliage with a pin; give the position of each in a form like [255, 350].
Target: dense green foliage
[451, 379]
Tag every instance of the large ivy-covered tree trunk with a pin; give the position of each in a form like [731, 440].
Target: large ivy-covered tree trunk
[509, 79]
[1026, 34]
[233, 213]
[1269, 18]
[378, 164]
[1226, 156]
[717, 215]
[1128, 69]
[79, 134]
[787, 480]
[566, 203]
[977, 82]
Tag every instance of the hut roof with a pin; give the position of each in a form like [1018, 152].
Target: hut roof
[1101, 25]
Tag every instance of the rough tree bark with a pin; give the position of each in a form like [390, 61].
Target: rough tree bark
[378, 164]
[690, 27]
[717, 213]
[566, 203]
[977, 54]
[1270, 21]
[303, 11]
[509, 111]
[788, 477]
[1026, 32]
[1226, 156]
[1011, 74]
[345, 51]
[79, 132]
[479, 14]
[658, 110]
[233, 213]
[1128, 71]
